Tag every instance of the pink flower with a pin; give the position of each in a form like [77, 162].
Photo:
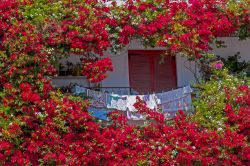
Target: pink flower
[218, 65]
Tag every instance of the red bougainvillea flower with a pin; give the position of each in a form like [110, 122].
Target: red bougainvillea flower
[40, 126]
[26, 95]
[25, 86]
[96, 71]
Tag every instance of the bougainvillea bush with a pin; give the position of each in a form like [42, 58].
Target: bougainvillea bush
[40, 126]
[70, 136]
[212, 98]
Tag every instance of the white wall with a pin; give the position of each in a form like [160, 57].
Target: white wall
[120, 75]
[234, 46]
[67, 80]
[185, 76]
[185, 69]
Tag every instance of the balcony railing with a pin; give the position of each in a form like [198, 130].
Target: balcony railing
[111, 90]
[114, 90]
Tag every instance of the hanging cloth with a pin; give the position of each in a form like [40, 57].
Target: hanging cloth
[132, 113]
[151, 101]
[172, 101]
[134, 116]
[100, 113]
[78, 90]
[116, 102]
[97, 99]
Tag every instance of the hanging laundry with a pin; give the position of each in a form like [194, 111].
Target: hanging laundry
[78, 90]
[170, 95]
[187, 102]
[172, 101]
[187, 99]
[131, 100]
[100, 113]
[116, 102]
[132, 113]
[97, 99]
[151, 101]
[134, 116]
[170, 106]
[187, 89]
[184, 104]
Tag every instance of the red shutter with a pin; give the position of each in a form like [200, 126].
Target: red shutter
[147, 75]
[165, 74]
[139, 72]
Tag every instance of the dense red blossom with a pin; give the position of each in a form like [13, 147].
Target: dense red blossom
[96, 71]
[41, 126]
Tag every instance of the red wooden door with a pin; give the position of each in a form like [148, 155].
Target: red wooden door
[147, 74]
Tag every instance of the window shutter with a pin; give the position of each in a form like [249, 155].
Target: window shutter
[148, 75]
[165, 74]
[139, 72]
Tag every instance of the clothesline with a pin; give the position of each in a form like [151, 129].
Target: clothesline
[169, 102]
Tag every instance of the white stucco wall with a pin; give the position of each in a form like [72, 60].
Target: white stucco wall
[185, 76]
[67, 80]
[120, 76]
[234, 46]
[185, 69]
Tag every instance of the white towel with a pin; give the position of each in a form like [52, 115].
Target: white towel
[116, 102]
[151, 101]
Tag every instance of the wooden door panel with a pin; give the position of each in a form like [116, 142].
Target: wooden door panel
[147, 75]
[139, 72]
[165, 74]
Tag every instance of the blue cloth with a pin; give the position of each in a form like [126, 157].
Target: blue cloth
[100, 113]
